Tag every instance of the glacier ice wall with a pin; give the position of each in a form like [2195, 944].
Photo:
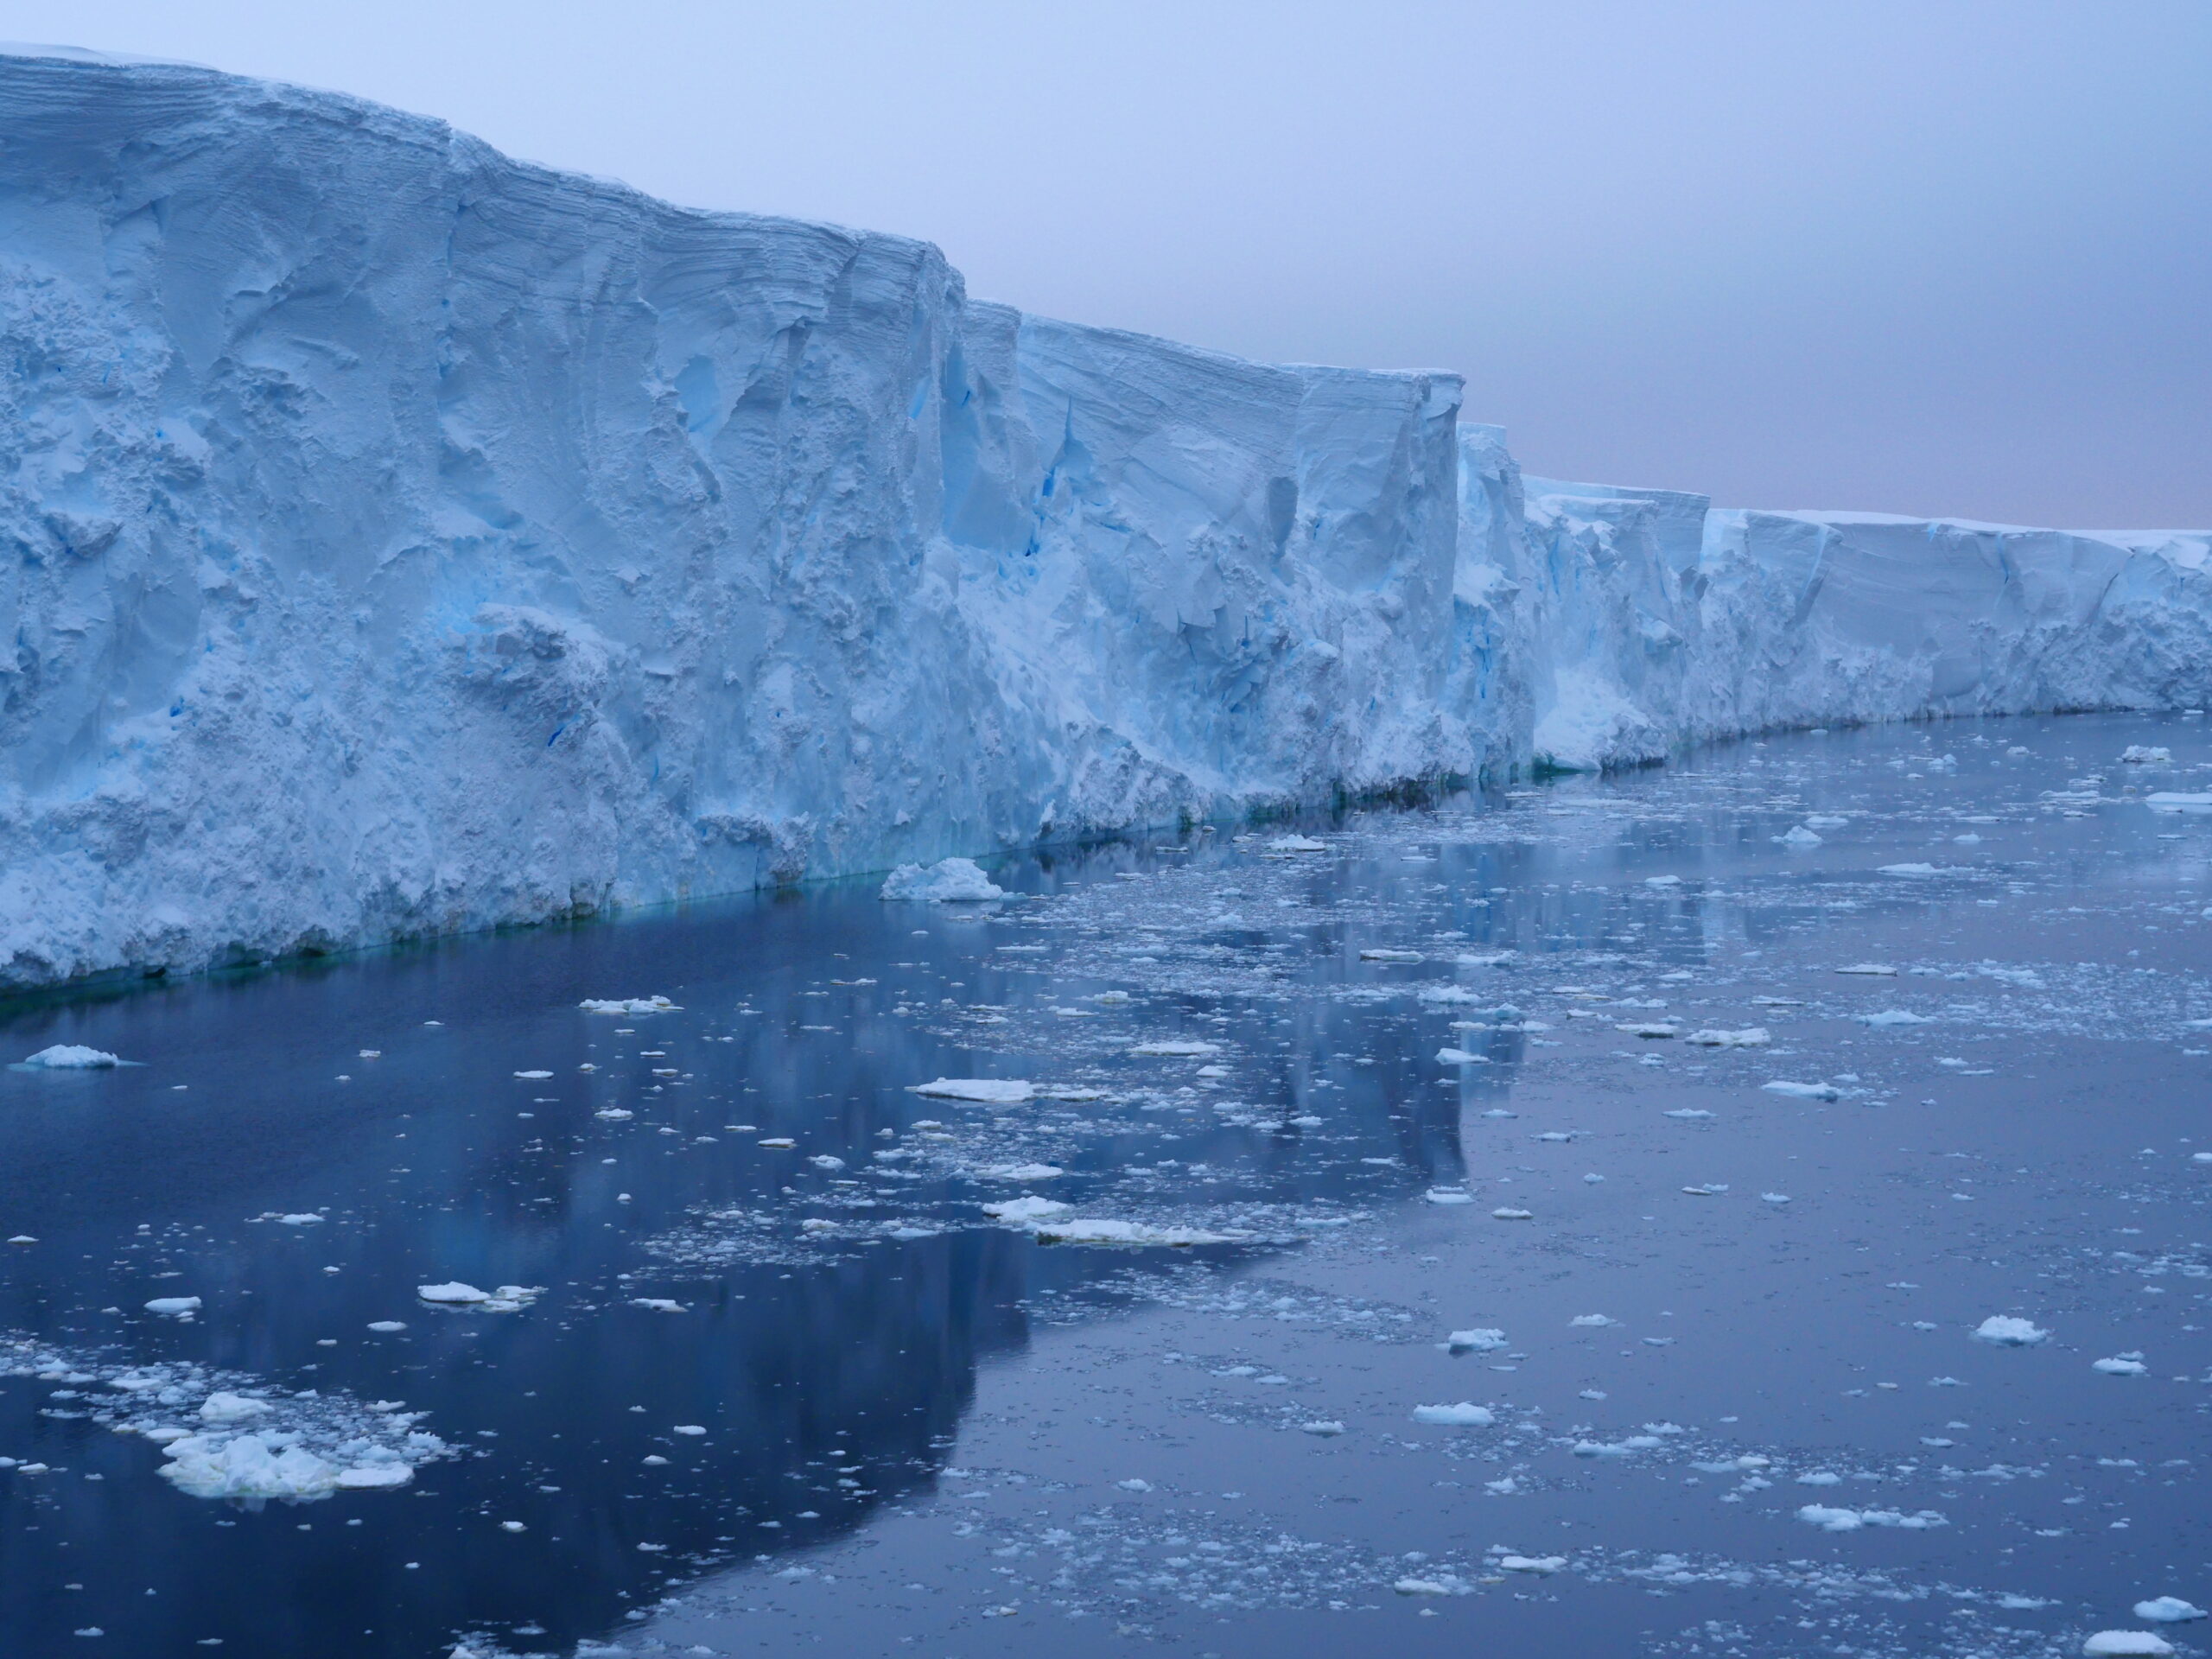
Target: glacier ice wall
[403, 539]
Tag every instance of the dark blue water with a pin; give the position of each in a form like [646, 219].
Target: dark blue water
[850, 1331]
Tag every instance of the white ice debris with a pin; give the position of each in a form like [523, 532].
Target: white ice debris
[1459, 1057]
[1390, 955]
[71, 1057]
[1297, 844]
[1463, 1415]
[1837, 1520]
[1175, 1049]
[2144, 754]
[1131, 1233]
[2166, 800]
[1887, 1017]
[2129, 1364]
[1023, 1211]
[174, 1306]
[221, 1407]
[1910, 869]
[1326, 1429]
[1883, 968]
[1020, 1171]
[989, 1091]
[1507, 1212]
[949, 881]
[2168, 1610]
[2006, 1332]
[1799, 838]
[660, 1305]
[1592, 1319]
[628, 1005]
[1541, 1565]
[1687, 1114]
[1448, 1195]
[1803, 1090]
[1481, 1340]
[2126, 1644]
[507, 1298]
[1650, 1031]
[1749, 1037]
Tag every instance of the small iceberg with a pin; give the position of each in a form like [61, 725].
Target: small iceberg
[71, 1057]
[2168, 1610]
[2004, 1332]
[2126, 1644]
[1482, 1340]
[1465, 1414]
[988, 1091]
[949, 881]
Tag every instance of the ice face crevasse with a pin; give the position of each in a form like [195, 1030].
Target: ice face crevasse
[403, 539]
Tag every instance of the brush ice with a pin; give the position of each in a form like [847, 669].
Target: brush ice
[2006, 1332]
[71, 1057]
[1463, 1415]
[564, 550]
[2168, 1610]
[1132, 1233]
[2126, 1644]
[949, 881]
[988, 1091]
[1803, 1090]
[1749, 1037]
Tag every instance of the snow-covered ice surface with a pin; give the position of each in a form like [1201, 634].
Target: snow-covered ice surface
[565, 550]
[1157, 1341]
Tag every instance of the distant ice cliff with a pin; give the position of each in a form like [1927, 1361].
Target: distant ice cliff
[403, 539]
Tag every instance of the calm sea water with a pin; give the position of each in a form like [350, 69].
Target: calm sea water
[771, 1397]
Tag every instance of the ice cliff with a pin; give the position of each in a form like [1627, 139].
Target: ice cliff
[403, 539]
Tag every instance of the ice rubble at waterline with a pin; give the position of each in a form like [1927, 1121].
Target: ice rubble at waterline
[562, 549]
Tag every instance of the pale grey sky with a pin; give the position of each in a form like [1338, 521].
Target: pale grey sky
[1918, 256]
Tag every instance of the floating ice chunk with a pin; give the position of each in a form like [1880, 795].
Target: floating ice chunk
[1507, 1212]
[1799, 837]
[2144, 754]
[1652, 1031]
[2168, 1610]
[1749, 1037]
[1459, 1057]
[1448, 1195]
[2006, 1331]
[1463, 1415]
[1482, 1340]
[1486, 959]
[1326, 1429]
[1687, 1114]
[1910, 869]
[2122, 1365]
[1134, 1485]
[1297, 844]
[692, 1429]
[826, 1161]
[533, 1075]
[949, 881]
[1803, 1090]
[1537, 1564]
[989, 1091]
[174, 1306]
[777, 1142]
[2166, 800]
[628, 1005]
[1135, 1234]
[1592, 1319]
[71, 1057]
[1020, 1171]
[1176, 1049]
[1390, 955]
[1662, 880]
[658, 1304]
[1887, 1017]
[374, 1477]
[221, 1407]
[2126, 1644]
[456, 1294]
[1834, 1520]
[1430, 1587]
[250, 1465]
[1021, 1211]
[386, 1327]
[1774, 1197]
[1883, 968]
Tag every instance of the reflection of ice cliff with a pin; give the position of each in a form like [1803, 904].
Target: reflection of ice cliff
[407, 539]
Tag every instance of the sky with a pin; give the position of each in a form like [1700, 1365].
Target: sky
[1947, 256]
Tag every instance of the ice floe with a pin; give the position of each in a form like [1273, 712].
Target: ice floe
[1749, 1037]
[628, 1005]
[455, 1295]
[2126, 1644]
[1297, 844]
[1802, 1091]
[1481, 1340]
[1837, 1520]
[2168, 1610]
[71, 1057]
[2004, 1331]
[949, 881]
[988, 1091]
[1465, 1415]
[2130, 1364]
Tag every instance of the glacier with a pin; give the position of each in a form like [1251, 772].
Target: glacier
[403, 539]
